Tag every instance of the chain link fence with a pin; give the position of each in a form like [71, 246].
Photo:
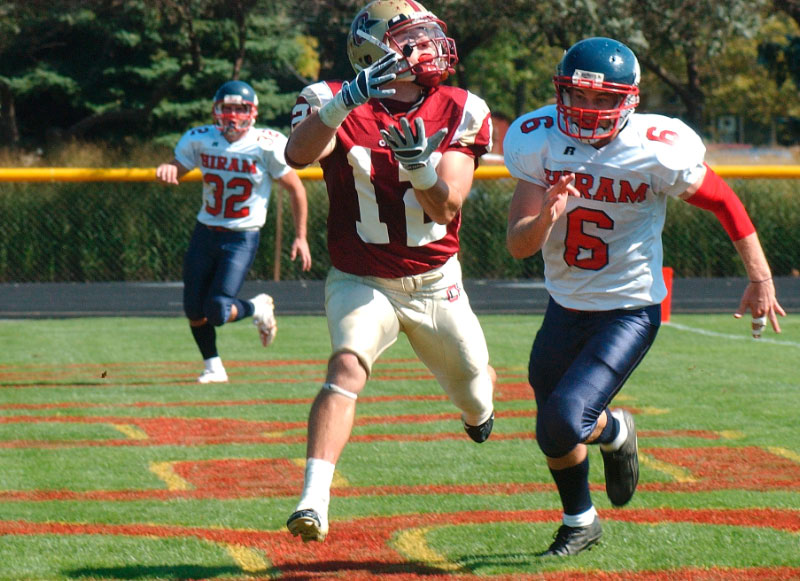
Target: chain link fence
[138, 231]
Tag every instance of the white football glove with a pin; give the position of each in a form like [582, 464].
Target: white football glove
[367, 85]
[414, 151]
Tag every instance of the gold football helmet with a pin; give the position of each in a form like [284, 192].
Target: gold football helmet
[400, 26]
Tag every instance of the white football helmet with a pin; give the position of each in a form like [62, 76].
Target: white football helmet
[400, 25]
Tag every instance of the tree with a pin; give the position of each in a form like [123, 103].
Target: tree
[138, 68]
[673, 40]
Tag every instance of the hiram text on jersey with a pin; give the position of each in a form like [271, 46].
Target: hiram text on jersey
[223, 163]
[607, 189]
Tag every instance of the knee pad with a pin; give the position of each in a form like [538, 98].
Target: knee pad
[558, 425]
[217, 310]
[336, 389]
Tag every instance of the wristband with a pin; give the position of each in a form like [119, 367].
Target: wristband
[423, 177]
[760, 281]
[334, 112]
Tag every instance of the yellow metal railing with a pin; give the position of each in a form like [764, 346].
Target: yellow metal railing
[87, 174]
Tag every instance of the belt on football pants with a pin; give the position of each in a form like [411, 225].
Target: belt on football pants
[223, 229]
[409, 283]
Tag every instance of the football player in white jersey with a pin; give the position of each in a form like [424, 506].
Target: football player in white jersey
[594, 178]
[398, 150]
[238, 163]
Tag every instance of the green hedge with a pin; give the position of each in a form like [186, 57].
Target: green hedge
[60, 232]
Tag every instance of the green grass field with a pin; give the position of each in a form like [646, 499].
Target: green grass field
[115, 464]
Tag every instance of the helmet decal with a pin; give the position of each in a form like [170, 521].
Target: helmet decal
[596, 64]
[234, 122]
[375, 31]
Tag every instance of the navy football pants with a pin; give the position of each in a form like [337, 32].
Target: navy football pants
[214, 269]
[579, 361]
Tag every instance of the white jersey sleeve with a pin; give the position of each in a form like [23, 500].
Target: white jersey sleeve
[677, 151]
[187, 150]
[310, 99]
[523, 146]
[272, 143]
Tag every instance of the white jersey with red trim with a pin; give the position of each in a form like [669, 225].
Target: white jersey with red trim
[605, 251]
[376, 226]
[237, 177]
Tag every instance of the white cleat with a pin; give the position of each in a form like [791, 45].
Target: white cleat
[308, 524]
[264, 318]
[213, 376]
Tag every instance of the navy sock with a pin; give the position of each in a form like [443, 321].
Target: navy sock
[573, 487]
[206, 338]
[610, 432]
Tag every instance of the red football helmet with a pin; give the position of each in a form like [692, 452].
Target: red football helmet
[400, 26]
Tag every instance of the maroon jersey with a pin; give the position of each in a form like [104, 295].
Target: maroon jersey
[376, 226]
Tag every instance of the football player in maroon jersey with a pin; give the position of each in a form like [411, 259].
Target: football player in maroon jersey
[398, 150]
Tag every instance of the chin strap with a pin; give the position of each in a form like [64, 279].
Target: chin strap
[716, 196]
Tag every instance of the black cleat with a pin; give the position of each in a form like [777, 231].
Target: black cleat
[573, 540]
[480, 433]
[622, 466]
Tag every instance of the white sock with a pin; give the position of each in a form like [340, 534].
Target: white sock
[214, 364]
[616, 444]
[583, 519]
[317, 485]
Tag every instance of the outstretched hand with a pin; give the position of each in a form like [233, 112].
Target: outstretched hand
[413, 149]
[367, 85]
[369, 82]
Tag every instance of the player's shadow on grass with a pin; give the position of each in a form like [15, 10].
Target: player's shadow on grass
[153, 572]
[309, 572]
[479, 562]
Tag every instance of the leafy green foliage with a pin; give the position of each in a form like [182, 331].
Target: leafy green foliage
[103, 69]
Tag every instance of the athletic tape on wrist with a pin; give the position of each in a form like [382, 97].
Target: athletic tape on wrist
[423, 178]
[334, 112]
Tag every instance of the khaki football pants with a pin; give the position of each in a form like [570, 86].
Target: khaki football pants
[366, 314]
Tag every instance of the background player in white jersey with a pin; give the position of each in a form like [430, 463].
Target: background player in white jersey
[594, 178]
[239, 163]
[398, 151]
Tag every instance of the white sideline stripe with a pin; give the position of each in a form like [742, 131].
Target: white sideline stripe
[742, 337]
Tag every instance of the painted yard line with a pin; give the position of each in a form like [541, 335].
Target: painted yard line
[691, 470]
[731, 336]
[785, 453]
[479, 490]
[364, 549]
[247, 559]
[165, 471]
[504, 392]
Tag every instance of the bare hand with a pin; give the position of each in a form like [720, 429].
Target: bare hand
[167, 173]
[759, 298]
[557, 194]
[300, 248]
